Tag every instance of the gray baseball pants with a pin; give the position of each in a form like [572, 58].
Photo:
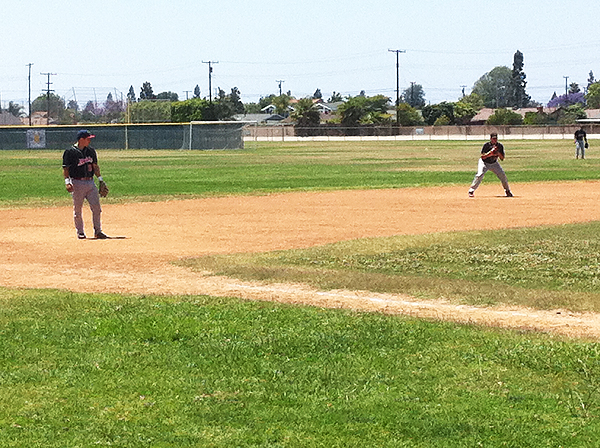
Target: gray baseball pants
[580, 147]
[483, 168]
[86, 189]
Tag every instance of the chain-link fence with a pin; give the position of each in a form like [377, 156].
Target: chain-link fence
[289, 132]
[195, 135]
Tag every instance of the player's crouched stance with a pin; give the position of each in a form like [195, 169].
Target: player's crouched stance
[490, 153]
[80, 164]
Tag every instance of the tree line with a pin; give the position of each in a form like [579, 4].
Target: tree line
[502, 89]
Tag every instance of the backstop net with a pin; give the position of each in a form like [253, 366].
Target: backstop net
[201, 135]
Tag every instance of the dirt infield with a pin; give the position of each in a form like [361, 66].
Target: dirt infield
[38, 247]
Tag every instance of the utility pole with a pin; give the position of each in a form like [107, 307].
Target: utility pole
[463, 91]
[566, 88]
[30, 64]
[210, 69]
[48, 96]
[280, 82]
[397, 83]
[186, 93]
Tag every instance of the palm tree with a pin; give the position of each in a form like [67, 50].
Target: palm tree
[306, 115]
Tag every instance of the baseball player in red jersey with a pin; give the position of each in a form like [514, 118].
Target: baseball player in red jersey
[490, 153]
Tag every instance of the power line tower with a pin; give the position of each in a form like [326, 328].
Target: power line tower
[397, 83]
[48, 90]
[210, 70]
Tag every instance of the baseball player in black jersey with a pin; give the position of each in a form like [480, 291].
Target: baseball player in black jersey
[80, 164]
[490, 153]
[581, 143]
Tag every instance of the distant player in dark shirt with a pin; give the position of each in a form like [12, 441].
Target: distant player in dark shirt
[581, 143]
[490, 153]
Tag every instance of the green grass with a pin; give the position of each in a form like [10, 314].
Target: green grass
[84, 370]
[543, 267]
[279, 167]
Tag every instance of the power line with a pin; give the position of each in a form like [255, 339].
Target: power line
[397, 83]
[48, 90]
[210, 69]
[29, 80]
[280, 82]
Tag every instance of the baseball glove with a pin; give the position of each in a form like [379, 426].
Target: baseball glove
[586, 145]
[103, 189]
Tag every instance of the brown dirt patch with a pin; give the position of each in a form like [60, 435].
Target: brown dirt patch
[38, 248]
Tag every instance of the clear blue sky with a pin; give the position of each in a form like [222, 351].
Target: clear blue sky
[94, 47]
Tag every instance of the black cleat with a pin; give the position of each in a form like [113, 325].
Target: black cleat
[102, 236]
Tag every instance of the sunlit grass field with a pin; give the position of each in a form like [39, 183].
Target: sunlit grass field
[263, 168]
[83, 370]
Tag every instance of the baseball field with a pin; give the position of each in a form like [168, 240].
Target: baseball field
[303, 294]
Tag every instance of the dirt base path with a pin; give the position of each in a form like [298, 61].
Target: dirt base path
[38, 247]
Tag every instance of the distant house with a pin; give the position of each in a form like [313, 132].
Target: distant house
[269, 112]
[482, 116]
[593, 116]
[275, 117]
[37, 118]
[485, 113]
[7, 119]
[270, 109]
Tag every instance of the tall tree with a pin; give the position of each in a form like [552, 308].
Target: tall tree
[414, 96]
[146, 92]
[591, 80]
[574, 88]
[197, 91]
[236, 101]
[495, 87]
[519, 97]
[317, 95]
[131, 95]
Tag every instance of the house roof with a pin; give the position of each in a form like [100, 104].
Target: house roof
[487, 112]
[9, 119]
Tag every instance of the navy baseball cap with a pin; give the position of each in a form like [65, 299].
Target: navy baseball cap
[84, 134]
